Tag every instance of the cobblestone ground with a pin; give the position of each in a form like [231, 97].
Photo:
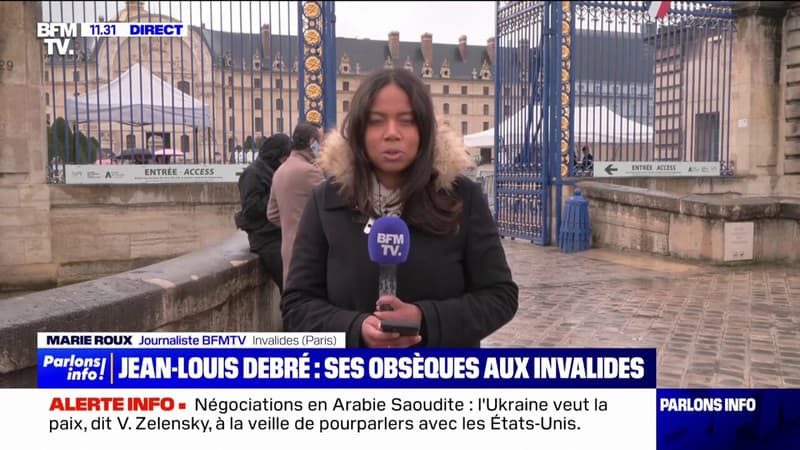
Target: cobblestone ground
[711, 325]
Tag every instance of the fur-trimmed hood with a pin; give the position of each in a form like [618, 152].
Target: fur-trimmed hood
[450, 158]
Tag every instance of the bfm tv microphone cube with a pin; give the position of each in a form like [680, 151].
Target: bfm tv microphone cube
[389, 241]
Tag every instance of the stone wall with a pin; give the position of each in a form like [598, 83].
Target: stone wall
[221, 288]
[24, 225]
[134, 225]
[101, 230]
[791, 100]
[690, 226]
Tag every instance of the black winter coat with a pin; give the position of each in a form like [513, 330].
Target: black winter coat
[461, 282]
[254, 189]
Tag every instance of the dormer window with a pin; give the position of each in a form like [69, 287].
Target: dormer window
[344, 65]
[486, 74]
[278, 63]
[427, 71]
[408, 64]
[444, 71]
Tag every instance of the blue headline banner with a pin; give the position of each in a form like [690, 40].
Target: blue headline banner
[345, 368]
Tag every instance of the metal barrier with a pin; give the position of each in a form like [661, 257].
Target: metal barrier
[209, 97]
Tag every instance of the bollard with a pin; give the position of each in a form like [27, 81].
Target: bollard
[575, 233]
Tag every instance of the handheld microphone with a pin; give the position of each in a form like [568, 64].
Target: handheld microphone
[389, 243]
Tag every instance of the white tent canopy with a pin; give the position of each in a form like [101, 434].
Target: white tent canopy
[592, 124]
[138, 98]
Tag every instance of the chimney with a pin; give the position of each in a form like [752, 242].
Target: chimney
[462, 47]
[394, 44]
[265, 35]
[427, 47]
[490, 49]
[134, 7]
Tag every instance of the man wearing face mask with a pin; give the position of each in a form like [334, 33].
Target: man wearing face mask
[292, 185]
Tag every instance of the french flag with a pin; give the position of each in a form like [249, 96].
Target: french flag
[658, 10]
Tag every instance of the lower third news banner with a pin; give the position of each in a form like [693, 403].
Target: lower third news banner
[303, 390]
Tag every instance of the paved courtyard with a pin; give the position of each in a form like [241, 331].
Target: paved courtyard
[711, 325]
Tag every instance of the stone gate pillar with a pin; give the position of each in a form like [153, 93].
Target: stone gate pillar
[791, 101]
[756, 90]
[25, 256]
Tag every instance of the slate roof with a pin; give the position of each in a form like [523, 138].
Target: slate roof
[594, 54]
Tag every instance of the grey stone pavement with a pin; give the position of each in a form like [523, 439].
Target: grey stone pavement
[711, 325]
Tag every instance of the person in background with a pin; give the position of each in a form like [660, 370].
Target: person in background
[587, 163]
[255, 185]
[292, 186]
[390, 158]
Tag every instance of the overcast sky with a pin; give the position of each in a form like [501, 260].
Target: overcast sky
[445, 20]
[374, 20]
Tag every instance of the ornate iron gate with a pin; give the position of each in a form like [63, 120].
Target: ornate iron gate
[608, 77]
[524, 118]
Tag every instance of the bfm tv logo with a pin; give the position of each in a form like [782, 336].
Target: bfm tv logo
[390, 243]
[57, 36]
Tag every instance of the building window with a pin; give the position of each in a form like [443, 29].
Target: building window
[463, 90]
[46, 98]
[506, 110]
[486, 90]
[506, 92]
[184, 143]
[230, 80]
[76, 75]
[485, 126]
[463, 127]
[231, 122]
[259, 124]
[279, 104]
[184, 87]
[345, 86]
[230, 102]
[46, 76]
[257, 103]
[47, 119]
[428, 88]
[279, 124]
[278, 83]
[463, 108]
[130, 141]
[257, 83]
[446, 89]
[345, 106]
[446, 108]
[485, 110]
